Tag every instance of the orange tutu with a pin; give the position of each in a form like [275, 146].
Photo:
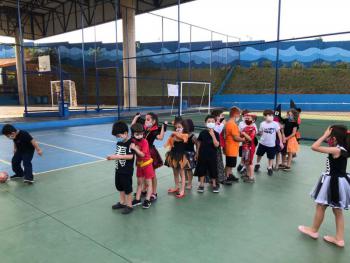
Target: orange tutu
[292, 145]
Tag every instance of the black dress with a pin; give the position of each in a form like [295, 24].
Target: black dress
[176, 157]
[151, 136]
[333, 188]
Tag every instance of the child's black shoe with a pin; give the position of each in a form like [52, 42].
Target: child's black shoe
[118, 206]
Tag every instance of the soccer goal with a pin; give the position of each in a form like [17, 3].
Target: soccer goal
[195, 97]
[70, 94]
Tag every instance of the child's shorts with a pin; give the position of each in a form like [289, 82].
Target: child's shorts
[207, 167]
[146, 172]
[270, 151]
[123, 183]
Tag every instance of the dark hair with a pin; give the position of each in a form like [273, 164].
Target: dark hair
[8, 129]
[209, 117]
[268, 112]
[342, 135]
[190, 125]
[245, 111]
[119, 127]
[298, 110]
[177, 119]
[183, 124]
[217, 112]
[137, 127]
[153, 116]
[234, 110]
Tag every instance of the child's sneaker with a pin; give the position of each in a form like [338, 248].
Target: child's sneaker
[226, 182]
[243, 170]
[216, 189]
[233, 178]
[239, 168]
[249, 180]
[269, 171]
[15, 176]
[154, 197]
[28, 181]
[146, 204]
[118, 206]
[286, 168]
[200, 189]
[127, 210]
[257, 167]
[136, 202]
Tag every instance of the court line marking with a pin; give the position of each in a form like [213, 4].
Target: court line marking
[68, 167]
[73, 151]
[5, 162]
[89, 137]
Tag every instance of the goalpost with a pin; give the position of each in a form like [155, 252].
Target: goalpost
[198, 90]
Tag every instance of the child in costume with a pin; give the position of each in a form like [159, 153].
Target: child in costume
[333, 188]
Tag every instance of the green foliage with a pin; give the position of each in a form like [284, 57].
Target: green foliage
[342, 65]
[297, 65]
[267, 64]
[254, 65]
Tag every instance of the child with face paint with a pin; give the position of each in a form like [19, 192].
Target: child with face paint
[333, 188]
[145, 171]
[208, 143]
[24, 148]
[248, 147]
[152, 132]
[176, 157]
[124, 166]
[290, 129]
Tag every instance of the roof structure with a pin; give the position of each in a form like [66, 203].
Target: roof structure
[44, 18]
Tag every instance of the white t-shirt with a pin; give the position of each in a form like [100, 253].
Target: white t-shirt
[268, 131]
[242, 125]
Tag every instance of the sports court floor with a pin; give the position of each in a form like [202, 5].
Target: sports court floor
[66, 215]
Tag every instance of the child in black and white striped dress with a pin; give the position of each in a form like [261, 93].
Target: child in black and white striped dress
[333, 188]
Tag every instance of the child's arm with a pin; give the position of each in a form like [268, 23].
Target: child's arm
[198, 146]
[292, 135]
[317, 145]
[280, 138]
[179, 136]
[238, 138]
[215, 141]
[137, 150]
[162, 132]
[134, 120]
[120, 157]
[37, 148]
[246, 136]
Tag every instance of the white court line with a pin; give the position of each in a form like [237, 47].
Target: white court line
[92, 138]
[5, 162]
[68, 167]
[73, 151]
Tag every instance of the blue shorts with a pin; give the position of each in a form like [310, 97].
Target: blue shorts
[270, 151]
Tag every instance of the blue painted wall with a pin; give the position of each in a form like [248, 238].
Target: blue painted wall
[308, 102]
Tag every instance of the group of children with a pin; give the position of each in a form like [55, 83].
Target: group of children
[202, 156]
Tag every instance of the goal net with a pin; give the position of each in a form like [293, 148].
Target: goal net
[195, 97]
[70, 94]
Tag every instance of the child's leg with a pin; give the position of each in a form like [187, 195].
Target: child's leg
[176, 172]
[269, 163]
[250, 170]
[190, 178]
[16, 164]
[128, 200]
[122, 199]
[258, 159]
[154, 185]
[148, 182]
[290, 158]
[183, 181]
[318, 218]
[201, 181]
[228, 171]
[140, 181]
[28, 167]
[339, 223]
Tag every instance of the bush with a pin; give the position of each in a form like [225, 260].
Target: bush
[267, 64]
[321, 65]
[342, 65]
[254, 65]
[297, 65]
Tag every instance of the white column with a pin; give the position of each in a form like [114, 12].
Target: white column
[129, 50]
[19, 70]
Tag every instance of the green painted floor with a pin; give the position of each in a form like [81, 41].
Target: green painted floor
[66, 217]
